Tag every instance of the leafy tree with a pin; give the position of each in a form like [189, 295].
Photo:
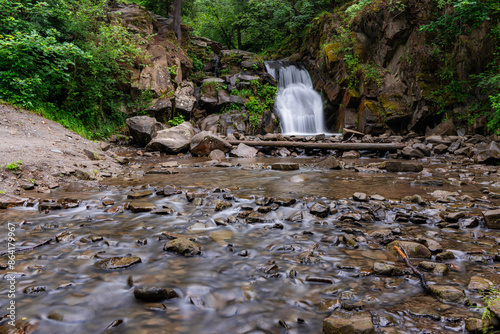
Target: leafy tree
[253, 25]
[64, 59]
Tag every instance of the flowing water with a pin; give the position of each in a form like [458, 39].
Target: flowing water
[298, 106]
[248, 278]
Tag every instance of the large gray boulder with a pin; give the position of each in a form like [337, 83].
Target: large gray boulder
[210, 123]
[244, 151]
[184, 97]
[155, 78]
[489, 156]
[173, 140]
[161, 109]
[446, 128]
[205, 142]
[143, 128]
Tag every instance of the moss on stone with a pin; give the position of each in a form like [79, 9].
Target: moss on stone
[332, 51]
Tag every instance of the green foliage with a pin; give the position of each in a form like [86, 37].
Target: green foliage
[460, 19]
[173, 70]
[357, 69]
[254, 25]
[15, 165]
[466, 16]
[63, 59]
[230, 107]
[198, 64]
[341, 48]
[261, 100]
[177, 120]
[355, 9]
[212, 86]
[489, 296]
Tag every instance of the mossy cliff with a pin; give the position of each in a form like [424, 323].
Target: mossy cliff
[394, 65]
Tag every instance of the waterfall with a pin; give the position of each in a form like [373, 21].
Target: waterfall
[298, 106]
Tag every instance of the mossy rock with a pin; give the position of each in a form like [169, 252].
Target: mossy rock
[448, 294]
[183, 246]
[332, 51]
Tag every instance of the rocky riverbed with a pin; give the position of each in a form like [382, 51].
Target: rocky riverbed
[286, 241]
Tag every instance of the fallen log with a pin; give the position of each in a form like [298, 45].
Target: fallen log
[326, 146]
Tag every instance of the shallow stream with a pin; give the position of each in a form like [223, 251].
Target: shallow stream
[248, 278]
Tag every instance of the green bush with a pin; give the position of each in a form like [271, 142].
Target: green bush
[177, 120]
[15, 165]
[64, 59]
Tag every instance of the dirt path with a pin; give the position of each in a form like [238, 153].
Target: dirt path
[51, 155]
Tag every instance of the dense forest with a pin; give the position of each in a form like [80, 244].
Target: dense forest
[69, 60]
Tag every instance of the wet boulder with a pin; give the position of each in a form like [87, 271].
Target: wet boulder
[436, 268]
[360, 197]
[222, 205]
[173, 140]
[412, 249]
[448, 294]
[411, 152]
[169, 190]
[217, 155]
[182, 246]
[351, 155]
[445, 256]
[477, 283]
[118, 262]
[151, 294]
[386, 268]
[320, 209]
[140, 194]
[10, 201]
[143, 128]
[285, 166]
[342, 321]
[205, 142]
[329, 163]
[139, 207]
[492, 218]
[400, 167]
[244, 151]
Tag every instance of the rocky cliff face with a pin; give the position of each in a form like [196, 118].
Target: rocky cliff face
[378, 71]
[195, 80]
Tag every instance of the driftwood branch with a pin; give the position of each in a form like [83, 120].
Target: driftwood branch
[417, 273]
[17, 250]
[327, 146]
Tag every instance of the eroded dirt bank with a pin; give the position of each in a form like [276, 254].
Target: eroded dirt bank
[48, 155]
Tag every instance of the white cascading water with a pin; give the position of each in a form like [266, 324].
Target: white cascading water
[298, 106]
